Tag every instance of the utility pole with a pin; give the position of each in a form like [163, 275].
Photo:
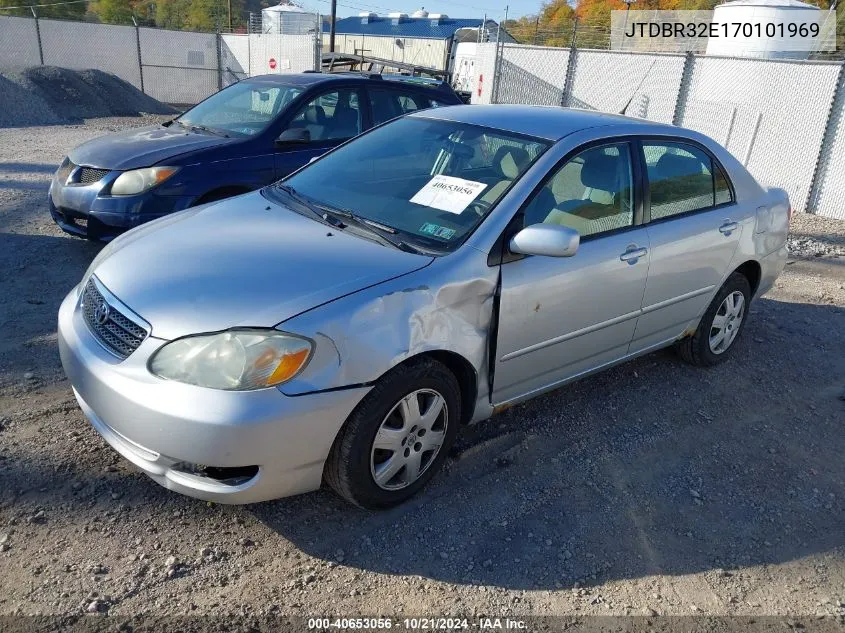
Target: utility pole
[230, 16]
[536, 29]
[331, 26]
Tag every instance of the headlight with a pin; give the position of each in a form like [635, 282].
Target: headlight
[237, 360]
[139, 180]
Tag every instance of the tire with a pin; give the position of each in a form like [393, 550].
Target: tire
[360, 472]
[698, 349]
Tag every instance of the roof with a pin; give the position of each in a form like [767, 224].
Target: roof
[310, 79]
[548, 122]
[422, 28]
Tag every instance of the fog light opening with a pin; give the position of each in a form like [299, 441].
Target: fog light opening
[230, 476]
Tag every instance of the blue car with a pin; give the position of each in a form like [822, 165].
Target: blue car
[239, 139]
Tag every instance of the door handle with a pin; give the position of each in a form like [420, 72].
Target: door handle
[633, 254]
[728, 227]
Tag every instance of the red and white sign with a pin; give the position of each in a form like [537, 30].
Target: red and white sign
[272, 63]
[480, 83]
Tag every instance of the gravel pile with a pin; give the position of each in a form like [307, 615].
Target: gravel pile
[45, 95]
[815, 236]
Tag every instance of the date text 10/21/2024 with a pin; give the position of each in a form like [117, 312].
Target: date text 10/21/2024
[417, 624]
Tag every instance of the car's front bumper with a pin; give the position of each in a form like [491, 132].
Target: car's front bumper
[84, 211]
[161, 426]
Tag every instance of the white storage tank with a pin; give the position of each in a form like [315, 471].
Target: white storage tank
[288, 18]
[761, 28]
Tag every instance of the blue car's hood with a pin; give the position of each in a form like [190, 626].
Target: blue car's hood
[142, 147]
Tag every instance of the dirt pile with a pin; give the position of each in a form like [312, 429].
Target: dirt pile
[48, 95]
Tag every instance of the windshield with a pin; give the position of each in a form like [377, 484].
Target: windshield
[242, 109]
[432, 181]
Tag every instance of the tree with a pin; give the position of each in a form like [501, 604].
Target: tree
[75, 11]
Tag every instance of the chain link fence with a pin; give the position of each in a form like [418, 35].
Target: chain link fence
[783, 120]
[176, 67]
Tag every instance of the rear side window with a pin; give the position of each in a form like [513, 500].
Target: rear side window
[682, 178]
[389, 104]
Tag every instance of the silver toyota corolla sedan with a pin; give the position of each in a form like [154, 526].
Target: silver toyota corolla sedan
[341, 325]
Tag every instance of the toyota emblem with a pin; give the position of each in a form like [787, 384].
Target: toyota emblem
[101, 313]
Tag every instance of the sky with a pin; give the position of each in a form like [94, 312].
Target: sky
[495, 9]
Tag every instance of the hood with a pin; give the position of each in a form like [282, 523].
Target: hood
[241, 262]
[142, 147]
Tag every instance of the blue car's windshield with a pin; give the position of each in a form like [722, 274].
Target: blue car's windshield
[243, 109]
[433, 181]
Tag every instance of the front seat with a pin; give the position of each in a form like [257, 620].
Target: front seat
[602, 174]
[508, 163]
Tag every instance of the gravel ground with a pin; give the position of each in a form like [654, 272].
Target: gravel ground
[653, 488]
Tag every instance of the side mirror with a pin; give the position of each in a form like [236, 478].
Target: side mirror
[552, 240]
[294, 136]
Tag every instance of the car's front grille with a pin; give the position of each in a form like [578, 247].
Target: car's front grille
[87, 175]
[117, 333]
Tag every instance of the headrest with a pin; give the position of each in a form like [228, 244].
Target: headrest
[675, 165]
[315, 115]
[510, 161]
[600, 171]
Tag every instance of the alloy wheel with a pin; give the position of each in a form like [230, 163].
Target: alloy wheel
[409, 439]
[727, 322]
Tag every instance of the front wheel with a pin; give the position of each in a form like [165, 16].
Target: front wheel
[721, 324]
[397, 437]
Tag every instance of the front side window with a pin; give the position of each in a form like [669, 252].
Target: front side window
[591, 193]
[243, 109]
[332, 116]
[682, 178]
[432, 181]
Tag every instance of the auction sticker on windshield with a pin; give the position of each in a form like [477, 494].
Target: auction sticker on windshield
[448, 193]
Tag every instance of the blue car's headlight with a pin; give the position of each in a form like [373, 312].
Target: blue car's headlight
[140, 180]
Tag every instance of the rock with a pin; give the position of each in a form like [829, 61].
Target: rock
[28, 375]
[444, 555]
[38, 517]
[95, 606]
[77, 485]
[695, 494]
[487, 563]
[171, 561]
[649, 611]
[309, 578]
[116, 495]
[246, 542]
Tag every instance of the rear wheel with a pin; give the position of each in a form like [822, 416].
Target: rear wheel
[398, 436]
[721, 324]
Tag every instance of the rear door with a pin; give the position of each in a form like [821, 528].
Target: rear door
[694, 226]
[331, 117]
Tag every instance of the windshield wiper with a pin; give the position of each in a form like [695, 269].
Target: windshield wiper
[210, 130]
[384, 232]
[302, 200]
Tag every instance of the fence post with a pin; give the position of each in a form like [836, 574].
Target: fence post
[138, 46]
[38, 35]
[681, 100]
[219, 61]
[566, 93]
[820, 168]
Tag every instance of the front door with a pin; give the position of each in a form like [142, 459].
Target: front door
[330, 118]
[561, 317]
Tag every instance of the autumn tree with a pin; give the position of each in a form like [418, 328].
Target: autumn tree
[75, 11]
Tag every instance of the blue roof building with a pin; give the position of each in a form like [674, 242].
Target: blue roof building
[433, 26]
